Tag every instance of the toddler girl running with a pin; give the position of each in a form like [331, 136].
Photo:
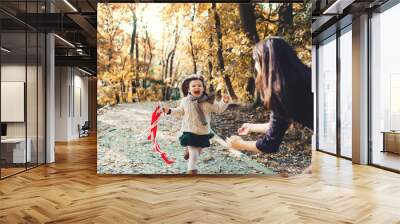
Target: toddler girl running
[195, 108]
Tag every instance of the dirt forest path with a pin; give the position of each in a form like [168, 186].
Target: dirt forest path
[123, 147]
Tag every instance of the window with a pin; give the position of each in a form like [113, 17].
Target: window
[385, 89]
[22, 74]
[327, 95]
[346, 92]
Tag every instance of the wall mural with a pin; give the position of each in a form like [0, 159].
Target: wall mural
[204, 88]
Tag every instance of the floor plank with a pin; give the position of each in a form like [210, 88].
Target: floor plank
[70, 191]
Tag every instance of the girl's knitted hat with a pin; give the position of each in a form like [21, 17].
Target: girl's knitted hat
[186, 82]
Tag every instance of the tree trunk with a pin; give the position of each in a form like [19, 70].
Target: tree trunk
[133, 35]
[163, 58]
[192, 50]
[174, 49]
[171, 64]
[150, 52]
[147, 42]
[145, 73]
[144, 51]
[150, 57]
[251, 87]
[137, 61]
[122, 90]
[165, 75]
[132, 50]
[171, 61]
[210, 64]
[248, 20]
[117, 97]
[166, 93]
[219, 53]
[285, 20]
[133, 86]
[193, 54]
[210, 55]
[165, 67]
[176, 72]
[162, 68]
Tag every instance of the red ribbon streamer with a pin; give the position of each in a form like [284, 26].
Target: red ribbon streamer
[153, 133]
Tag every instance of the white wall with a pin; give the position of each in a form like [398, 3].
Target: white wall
[81, 83]
[62, 81]
[13, 72]
[71, 87]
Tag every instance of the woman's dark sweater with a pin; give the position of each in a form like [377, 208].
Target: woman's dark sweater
[272, 139]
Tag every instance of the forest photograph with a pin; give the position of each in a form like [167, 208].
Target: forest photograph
[204, 88]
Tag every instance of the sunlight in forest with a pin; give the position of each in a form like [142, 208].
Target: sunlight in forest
[145, 49]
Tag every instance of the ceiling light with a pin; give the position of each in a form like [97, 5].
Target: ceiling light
[64, 40]
[70, 5]
[337, 7]
[5, 50]
[86, 72]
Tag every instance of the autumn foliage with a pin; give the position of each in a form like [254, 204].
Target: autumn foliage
[145, 49]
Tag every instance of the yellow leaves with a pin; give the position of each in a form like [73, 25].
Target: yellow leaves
[202, 8]
[106, 95]
[117, 70]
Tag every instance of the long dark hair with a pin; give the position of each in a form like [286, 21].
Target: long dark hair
[284, 80]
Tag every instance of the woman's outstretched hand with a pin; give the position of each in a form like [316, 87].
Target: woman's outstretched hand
[245, 129]
[234, 142]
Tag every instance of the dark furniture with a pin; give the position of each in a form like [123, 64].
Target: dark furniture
[84, 130]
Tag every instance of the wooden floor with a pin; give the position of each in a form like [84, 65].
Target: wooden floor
[70, 191]
[10, 171]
